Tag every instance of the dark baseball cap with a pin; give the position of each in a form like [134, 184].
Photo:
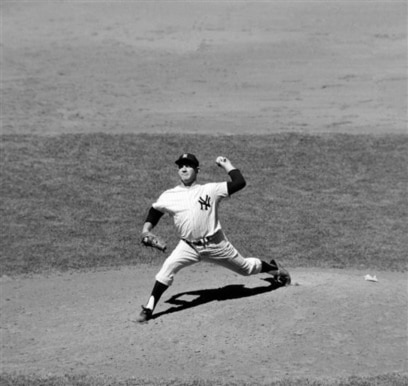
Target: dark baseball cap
[189, 159]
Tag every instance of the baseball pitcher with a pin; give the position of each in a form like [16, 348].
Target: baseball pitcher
[194, 209]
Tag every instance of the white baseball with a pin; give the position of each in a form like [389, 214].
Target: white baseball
[220, 159]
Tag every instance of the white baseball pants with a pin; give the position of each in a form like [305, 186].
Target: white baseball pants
[219, 251]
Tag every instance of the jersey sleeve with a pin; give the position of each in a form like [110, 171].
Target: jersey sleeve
[220, 189]
[160, 204]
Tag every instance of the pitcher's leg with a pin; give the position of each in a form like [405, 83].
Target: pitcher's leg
[182, 256]
[245, 266]
[225, 255]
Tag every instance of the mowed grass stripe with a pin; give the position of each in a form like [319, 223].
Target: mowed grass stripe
[329, 201]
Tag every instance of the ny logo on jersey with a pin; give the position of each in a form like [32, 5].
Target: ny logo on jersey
[205, 204]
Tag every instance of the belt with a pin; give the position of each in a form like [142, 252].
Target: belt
[203, 241]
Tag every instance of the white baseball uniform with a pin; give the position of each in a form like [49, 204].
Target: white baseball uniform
[195, 213]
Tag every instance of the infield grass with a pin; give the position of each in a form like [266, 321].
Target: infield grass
[329, 201]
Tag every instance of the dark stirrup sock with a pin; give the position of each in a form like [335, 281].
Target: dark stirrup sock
[266, 267]
[157, 292]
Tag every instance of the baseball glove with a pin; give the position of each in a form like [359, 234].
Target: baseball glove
[151, 240]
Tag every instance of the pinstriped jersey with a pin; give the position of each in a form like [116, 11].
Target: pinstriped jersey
[194, 208]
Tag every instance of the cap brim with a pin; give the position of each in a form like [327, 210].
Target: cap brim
[186, 162]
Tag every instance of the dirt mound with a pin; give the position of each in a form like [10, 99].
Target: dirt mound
[211, 324]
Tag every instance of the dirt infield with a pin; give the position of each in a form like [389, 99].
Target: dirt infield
[212, 324]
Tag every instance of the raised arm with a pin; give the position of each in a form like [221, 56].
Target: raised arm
[237, 179]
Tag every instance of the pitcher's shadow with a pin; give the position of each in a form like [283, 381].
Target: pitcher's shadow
[229, 292]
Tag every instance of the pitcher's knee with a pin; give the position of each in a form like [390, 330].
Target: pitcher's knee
[167, 272]
[165, 278]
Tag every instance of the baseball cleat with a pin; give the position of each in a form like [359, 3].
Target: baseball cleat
[281, 275]
[145, 315]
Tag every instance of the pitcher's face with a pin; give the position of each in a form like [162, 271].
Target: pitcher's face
[187, 174]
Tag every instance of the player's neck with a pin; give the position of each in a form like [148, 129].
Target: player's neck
[189, 184]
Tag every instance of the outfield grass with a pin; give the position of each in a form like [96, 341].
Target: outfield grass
[328, 201]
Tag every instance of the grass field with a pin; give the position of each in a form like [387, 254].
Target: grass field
[79, 201]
